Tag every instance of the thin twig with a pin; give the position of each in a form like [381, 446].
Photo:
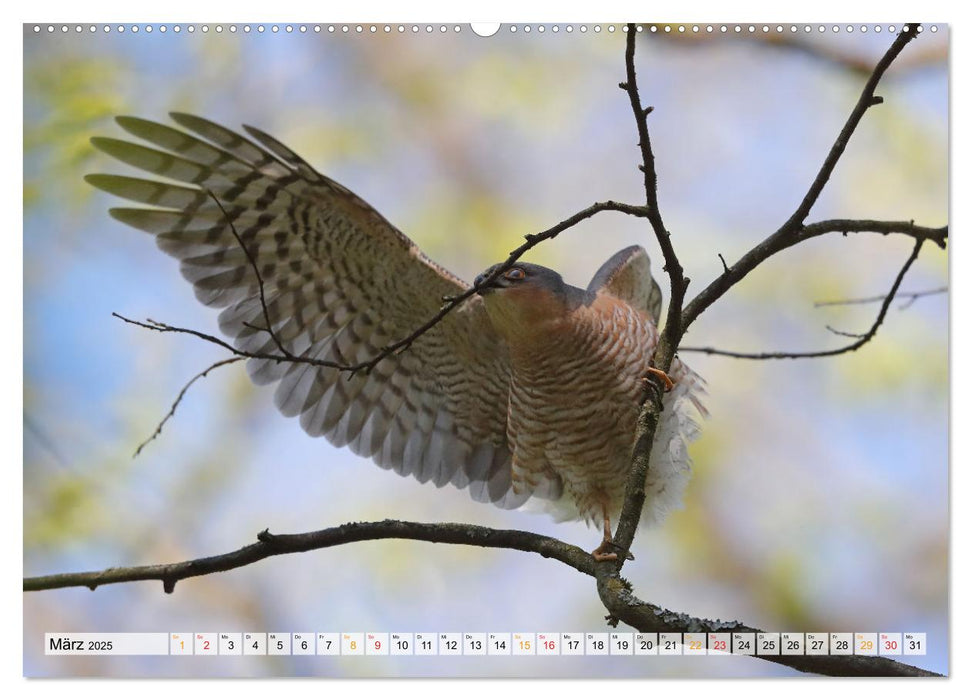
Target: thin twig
[532, 240]
[178, 399]
[259, 279]
[862, 339]
[845, 334]
[910, 296]
[272, 545]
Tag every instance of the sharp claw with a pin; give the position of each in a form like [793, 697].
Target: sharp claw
[600, 555]
[668, 382]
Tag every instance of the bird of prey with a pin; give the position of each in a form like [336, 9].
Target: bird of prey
[528, 392]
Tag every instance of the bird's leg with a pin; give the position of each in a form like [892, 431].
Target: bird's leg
[668, 382]
[608, 543]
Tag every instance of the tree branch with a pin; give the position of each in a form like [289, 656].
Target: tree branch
[178, 399]
[532, 240]
[615, 592]
[911, 297]
[269, 545]
[623, 606]
[862, 339]
[793, 231]
[831, 53]
[649, 416]
[671, 263]
[853, 63]
[937, 236]
[450, 303]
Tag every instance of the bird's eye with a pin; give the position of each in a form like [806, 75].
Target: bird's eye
[515, 273]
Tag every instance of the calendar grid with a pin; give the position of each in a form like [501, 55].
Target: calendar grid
[487, 644]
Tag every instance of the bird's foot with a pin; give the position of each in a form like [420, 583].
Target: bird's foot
[601, 553]
[668, 382]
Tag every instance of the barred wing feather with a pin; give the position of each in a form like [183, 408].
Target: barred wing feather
[340, 283]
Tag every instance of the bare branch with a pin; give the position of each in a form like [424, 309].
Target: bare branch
[614, 591]
[832, 53]
[862, 339]
[867, 99]
[269, 545]
[845, 334]
[910, 296]
[671, 263]
[532, 240]
[647, 421]
[937, 236]
[178, 399]
[793, 230]
[678, 320]
[616, 595]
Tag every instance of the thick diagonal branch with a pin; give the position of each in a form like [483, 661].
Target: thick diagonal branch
[268, 545]
[793, 231]
[623, 604]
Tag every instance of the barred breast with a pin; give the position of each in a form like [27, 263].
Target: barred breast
[573, 405]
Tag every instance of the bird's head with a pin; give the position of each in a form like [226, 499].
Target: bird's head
[526, 298]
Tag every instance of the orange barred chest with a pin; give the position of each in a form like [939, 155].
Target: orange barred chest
[574, 401]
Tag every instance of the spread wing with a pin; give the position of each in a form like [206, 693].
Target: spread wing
[627, 275]
[340, 283]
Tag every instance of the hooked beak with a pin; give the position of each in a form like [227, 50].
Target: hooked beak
[482, 278]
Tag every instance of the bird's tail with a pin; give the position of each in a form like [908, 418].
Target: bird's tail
[670, 462]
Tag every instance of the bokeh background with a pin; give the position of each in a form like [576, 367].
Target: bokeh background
[819, 500]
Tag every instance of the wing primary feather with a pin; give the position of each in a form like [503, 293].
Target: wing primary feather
[339, 283]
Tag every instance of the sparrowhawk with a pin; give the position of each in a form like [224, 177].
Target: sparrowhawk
[528, 392]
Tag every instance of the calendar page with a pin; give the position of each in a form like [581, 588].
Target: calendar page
[513, 350]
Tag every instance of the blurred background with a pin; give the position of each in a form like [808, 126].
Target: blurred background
[819, 500]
